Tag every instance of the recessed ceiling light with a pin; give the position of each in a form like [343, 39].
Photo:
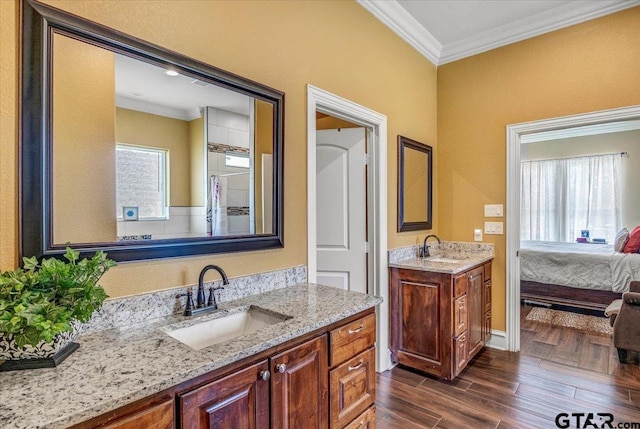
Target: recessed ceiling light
[171, 73]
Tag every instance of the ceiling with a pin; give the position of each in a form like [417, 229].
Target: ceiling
[448, 30]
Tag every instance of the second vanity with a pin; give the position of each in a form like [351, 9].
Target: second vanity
[440, 307]
[315, 367]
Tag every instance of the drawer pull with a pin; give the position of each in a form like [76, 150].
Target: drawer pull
[473, 277]
[351, 368]
[265, 375]
[281, 368]
[355, 331]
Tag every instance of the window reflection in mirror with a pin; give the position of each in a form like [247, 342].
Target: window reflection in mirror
[103, 100]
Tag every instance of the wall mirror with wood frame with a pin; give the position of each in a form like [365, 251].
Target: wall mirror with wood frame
[415, 185]
[140, 151]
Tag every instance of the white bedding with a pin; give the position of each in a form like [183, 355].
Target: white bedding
[580, 265]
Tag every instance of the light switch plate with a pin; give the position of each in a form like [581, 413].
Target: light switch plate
[493, 210]
[477, 234]
[495, 228]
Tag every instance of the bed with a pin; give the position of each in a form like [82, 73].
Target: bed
[581, 275]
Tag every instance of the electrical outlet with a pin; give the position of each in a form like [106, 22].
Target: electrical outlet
[477, 234]
[495, 228]
[493, 210]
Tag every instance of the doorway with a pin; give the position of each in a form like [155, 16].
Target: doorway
[375, 126]
[515, 135]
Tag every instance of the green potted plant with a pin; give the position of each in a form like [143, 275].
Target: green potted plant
[42, 305]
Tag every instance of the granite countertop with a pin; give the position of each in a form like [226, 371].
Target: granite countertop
[448, 257]
[432, 264]
[117, 366]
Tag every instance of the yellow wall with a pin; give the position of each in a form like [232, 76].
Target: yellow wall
[196, 162]
[83, 140]
[263, 145]
[144, 129]
[371, 66]
[584, 68]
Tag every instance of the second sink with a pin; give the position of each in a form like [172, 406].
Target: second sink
[224, 328]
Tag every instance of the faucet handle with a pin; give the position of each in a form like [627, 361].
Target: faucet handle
[212, 297]
[189, 305]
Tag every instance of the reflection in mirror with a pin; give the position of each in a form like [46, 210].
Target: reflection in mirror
[414, 185]
[139, 151]
[154, 155]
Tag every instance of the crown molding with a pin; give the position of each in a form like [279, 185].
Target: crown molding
[394, 16]
[545, 22]
[587, 130]
[401, 22]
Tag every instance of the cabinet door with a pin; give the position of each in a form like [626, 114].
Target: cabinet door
[299, 386]
[240, 400]
[475, 310]
[352, 388]
[159, 416]
[460, 351]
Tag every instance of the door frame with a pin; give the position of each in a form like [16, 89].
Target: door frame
[515, 134]
[325, 102]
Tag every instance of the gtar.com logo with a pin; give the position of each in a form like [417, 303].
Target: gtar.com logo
[591, 421]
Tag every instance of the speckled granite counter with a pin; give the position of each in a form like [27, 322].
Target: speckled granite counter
[117, 366]
[448, 257]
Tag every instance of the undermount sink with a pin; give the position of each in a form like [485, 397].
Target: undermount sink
[227, 327]
[444, 260]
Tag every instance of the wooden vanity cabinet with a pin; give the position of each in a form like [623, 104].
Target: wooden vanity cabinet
[327, 381]
[323, 379]
[439, 321]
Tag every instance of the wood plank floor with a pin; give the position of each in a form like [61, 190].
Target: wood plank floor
[558, 371]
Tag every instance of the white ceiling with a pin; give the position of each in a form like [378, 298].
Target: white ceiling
[448, 30]
[145, 87]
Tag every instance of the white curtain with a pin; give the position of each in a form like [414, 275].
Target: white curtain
[561, 197]
[217, 207]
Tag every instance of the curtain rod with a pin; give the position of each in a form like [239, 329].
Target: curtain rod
[575, 157]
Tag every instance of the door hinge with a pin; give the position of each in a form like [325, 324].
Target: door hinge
[367, 158]
[366, 247]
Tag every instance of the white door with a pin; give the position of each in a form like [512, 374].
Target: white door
[341, 208]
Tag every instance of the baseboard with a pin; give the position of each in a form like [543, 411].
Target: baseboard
[498, 340]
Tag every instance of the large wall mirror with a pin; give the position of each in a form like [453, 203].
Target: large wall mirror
[415, 184]
[139, 151]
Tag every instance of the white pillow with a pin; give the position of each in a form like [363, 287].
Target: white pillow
[621, 239]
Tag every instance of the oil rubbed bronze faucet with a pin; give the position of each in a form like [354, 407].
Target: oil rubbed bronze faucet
[201, 306]
[424, 250]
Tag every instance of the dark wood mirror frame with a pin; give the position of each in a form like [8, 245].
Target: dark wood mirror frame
[404, 142]
[36, 223]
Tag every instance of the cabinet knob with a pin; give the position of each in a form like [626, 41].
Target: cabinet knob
[281, 368]
[265, 375]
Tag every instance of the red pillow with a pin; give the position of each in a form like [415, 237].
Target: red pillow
[633, 245]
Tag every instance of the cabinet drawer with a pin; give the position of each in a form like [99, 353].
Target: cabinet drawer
[459, 315]
[487, 271]
[486, 327]
[461, 351]
[351, 339]
[366, 420]
[158, 416]
[486, 296]
[352, 388]
[460, 285]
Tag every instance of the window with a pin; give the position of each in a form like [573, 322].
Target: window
[236, 160]
[141, 181]
[561, 197]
